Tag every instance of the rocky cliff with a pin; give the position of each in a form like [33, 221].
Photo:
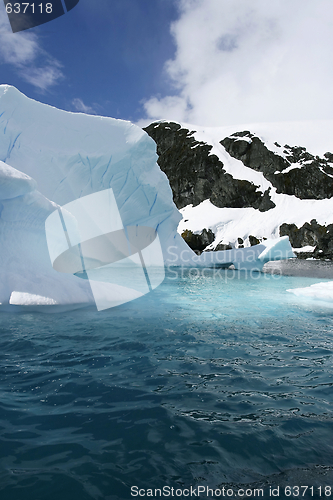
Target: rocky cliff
[292, 170]
[197, 174]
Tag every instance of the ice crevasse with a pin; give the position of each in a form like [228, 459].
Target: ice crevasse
[51, 158]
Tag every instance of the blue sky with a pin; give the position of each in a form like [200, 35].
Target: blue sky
[107, 56]
[205, 62]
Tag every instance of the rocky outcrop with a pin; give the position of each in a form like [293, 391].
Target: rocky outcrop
[294, 171]
[253, 240]
[310, 234]
[198, 242]
[222, 246]
[196, 175]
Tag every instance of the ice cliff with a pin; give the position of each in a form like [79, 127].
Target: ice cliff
[50, 158]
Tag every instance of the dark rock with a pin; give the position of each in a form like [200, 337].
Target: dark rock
[207, 237]
[309, 179]
[253, 153]
[198, 242]
[222, 246]
[240, 242]
[253, 240]
[196, 175]
[329, 157]
[266, 202]
[313, 234]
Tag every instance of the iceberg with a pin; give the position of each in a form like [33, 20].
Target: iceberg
[322, 292]
[50, 159]
[55, 168]
[243, 259]
[26, 271]
[71, 155]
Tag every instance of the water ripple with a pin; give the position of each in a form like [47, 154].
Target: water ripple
[204, 381]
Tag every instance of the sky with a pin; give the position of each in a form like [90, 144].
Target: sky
[204, 62]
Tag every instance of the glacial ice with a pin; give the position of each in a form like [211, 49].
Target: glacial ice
[322, 292]
[19, 298]
[50, 158]
[25, 265]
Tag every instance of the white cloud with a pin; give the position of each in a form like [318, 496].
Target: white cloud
[244, 61]
[43, 77]
[80, 106]
[24, 52]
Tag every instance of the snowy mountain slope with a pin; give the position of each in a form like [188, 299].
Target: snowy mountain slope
[232, 224]
[315, 136]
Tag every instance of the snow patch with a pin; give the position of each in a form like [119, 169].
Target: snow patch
[306, 249]
[29, 299]
[315, 135]
[228, 224]
[291, 167]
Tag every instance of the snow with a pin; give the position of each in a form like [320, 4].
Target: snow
[229, 224]
[306, 249]
[315, 135]
[291, 167]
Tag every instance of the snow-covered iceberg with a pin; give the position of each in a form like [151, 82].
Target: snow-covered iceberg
[52, 158]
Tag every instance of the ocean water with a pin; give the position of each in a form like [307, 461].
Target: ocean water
[217, 379]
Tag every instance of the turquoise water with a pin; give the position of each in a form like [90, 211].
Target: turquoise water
[220, 379]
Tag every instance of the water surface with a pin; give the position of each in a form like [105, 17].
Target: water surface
[215, 378]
